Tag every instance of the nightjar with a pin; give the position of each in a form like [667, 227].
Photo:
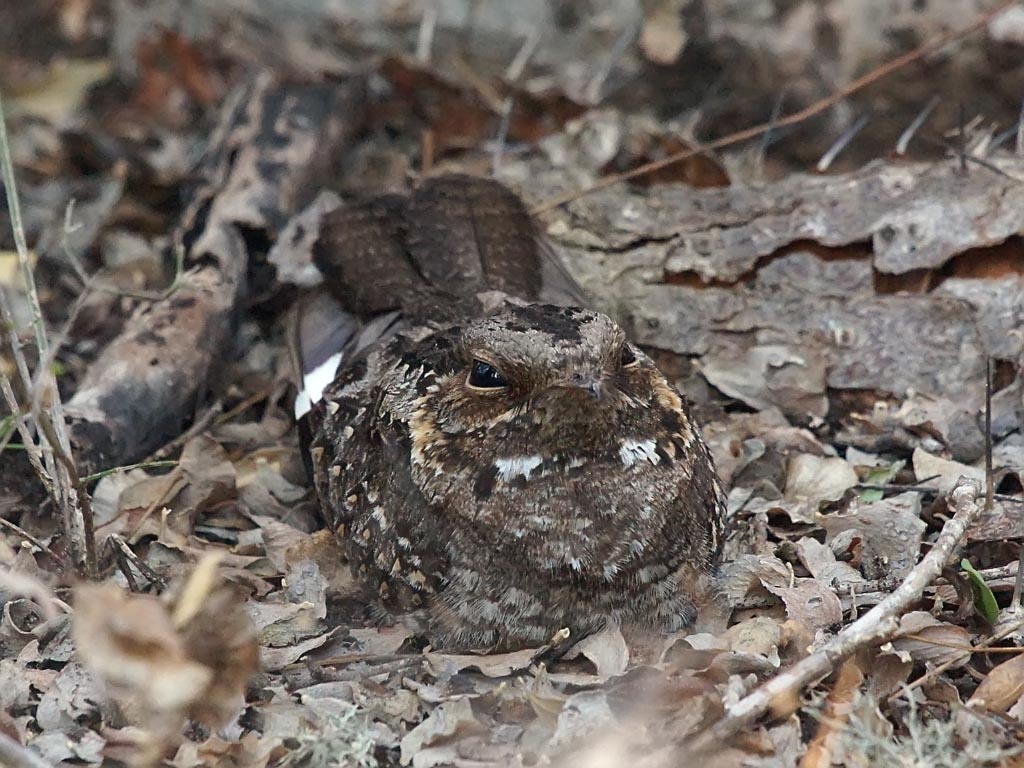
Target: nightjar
[500, 462]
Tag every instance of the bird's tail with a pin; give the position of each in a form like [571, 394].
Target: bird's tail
[453, 237]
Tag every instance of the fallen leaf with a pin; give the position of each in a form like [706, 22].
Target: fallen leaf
[760, 636]
[819, 478]
[831, 725]
[809, 602]
[64, 91]
[890, 533]
[821, 561]
[1001, 688]
[491, 665]
[944, 473]
[923, 638]
[129, 642]
[605, 649]
[433, 741]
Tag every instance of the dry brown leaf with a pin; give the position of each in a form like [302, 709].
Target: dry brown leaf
[1001, 688]
[760, 636]
[838, 706]
[890, 532]
[923, 638]
[433, 741]
[165, 670]
[491, 665]
[64, 91]
[809, 602]
[819, 478]
[944, 473]
[605, 649]
[821, 561]
[210, 476]
[130, 643]
[196, 589]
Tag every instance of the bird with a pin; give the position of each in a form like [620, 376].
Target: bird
[499, 461]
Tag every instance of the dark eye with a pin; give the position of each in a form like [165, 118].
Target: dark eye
[627, 357]
[486, 376]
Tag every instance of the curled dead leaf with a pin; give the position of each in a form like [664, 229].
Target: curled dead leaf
[168, 663]
[1003, 686]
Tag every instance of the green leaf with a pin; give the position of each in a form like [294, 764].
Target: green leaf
[984, 600]
[880, 476]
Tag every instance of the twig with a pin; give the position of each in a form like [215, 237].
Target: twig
[766, 139]
[1020, 131]
[211, 415]
[124, 550]
[17, 530]
[502, 137]
[961, 647]
[425, 36]
[926, 490]
[800, 116]
[18, 229]
[14, 755]
[842, 143]
[1001, 138]
[171, 480]
[915, 125]
[931, 674]
[990, 485]
[52, 460]
[128, 468]
[518, 64]
[873, 627]
[596, 85]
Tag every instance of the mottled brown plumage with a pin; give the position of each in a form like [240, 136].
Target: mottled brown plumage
[503, 466]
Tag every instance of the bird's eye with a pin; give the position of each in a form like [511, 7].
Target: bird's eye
[627, 357]
[486, 376]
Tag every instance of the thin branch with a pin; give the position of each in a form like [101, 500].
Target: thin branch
[51, 456]
[425, 36]
[874, 627]
[990, 484]
[934, 672]
[128, 468]
[17, 227]
[880, 72]
[518, 64]
[926, 490]
[18, 531]
[766, 139]
[915, 125]
[842, 143]
[626, 36]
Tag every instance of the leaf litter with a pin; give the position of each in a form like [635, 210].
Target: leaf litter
[831, 330]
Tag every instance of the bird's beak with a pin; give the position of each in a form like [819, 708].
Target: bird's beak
[588, 382]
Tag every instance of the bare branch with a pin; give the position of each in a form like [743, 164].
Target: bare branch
[873, 627]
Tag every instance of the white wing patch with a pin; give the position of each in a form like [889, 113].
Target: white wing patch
[314, 383]
[514, 466]
[632, 451]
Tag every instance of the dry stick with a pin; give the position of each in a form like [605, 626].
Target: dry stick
[871, 628]
[60, 477]
[816, 108]
[28, 537]
[915, 125]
